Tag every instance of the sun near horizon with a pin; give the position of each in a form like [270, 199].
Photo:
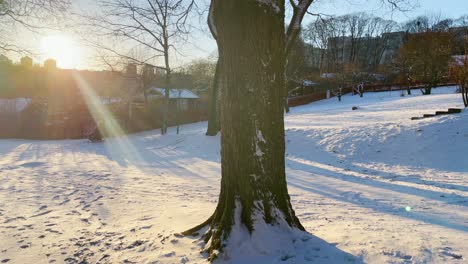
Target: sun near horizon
[63, 49]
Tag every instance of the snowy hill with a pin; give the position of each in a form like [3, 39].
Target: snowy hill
[375, 185]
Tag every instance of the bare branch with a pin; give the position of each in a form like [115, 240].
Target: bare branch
[299, 10]
[32, 15]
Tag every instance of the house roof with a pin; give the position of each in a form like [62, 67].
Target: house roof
[173, 93]
[304, 82]
[459, 60]
[14, 104]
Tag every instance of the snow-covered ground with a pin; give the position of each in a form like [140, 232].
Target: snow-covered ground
[375, 185]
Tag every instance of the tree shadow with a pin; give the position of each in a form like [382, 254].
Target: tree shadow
[415, 179]
[307, 166]
[305, 248]
[148, 151]
[324, 189]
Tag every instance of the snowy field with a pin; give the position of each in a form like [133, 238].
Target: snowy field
[376, 186]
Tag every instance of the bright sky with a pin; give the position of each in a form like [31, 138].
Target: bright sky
[70, 52]
[63, 48]
[447, 8]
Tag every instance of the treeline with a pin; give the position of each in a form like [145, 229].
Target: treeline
[354, 48]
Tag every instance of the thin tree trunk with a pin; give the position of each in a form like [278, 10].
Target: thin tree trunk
[166, 92]
[464, 92]
[129, 118]
[213, 120]
[251, 43]
[178, 111]
[165, 111]
[285, 99]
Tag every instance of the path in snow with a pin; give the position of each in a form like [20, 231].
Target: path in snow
[373, 183]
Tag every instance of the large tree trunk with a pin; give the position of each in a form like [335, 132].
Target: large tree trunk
[251, 42]
[213, 120]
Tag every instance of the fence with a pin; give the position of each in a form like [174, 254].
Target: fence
[38, 121]
[312, 97]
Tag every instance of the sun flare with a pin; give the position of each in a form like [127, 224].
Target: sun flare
[63, 49]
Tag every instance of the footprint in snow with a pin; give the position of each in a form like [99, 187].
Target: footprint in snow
[31, 164]
[43, 213]
[447, 252]
[170, 254]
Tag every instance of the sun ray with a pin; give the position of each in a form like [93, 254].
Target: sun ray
[118, 145]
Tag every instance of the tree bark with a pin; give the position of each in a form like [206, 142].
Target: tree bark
[213, 120]
[251, 42]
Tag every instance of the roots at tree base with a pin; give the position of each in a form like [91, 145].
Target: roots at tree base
[232, 218]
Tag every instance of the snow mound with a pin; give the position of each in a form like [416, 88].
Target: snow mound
[278, 244]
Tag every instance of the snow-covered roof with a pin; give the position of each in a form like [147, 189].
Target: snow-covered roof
[309, 83]
[107, 100]
[14, 104]
[304, 82]
[459, 59]
[327, 75]
[173, 93]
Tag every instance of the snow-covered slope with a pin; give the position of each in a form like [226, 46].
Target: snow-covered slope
[376, 186]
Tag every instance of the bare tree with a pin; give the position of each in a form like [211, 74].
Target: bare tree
[461, 21]
[427, 51]
[378, 36]
[459, 71]
[214, 110]
[318, 33]
[403, 65]
[252, 48]
[154, 27]
[213, 116]
[357, 25]
[252, 45]
[30, 15]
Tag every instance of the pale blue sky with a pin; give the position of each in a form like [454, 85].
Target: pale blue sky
[447, 8]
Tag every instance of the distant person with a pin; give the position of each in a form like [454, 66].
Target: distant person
[94, 134]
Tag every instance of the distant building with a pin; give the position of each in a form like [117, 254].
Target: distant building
[367, 51]
[459, 60]
[66, 96]
[182, 99]
[460, 35]
[314, 56]
[4, 59]
[50, 64]
[131, 70]
[26, 62]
